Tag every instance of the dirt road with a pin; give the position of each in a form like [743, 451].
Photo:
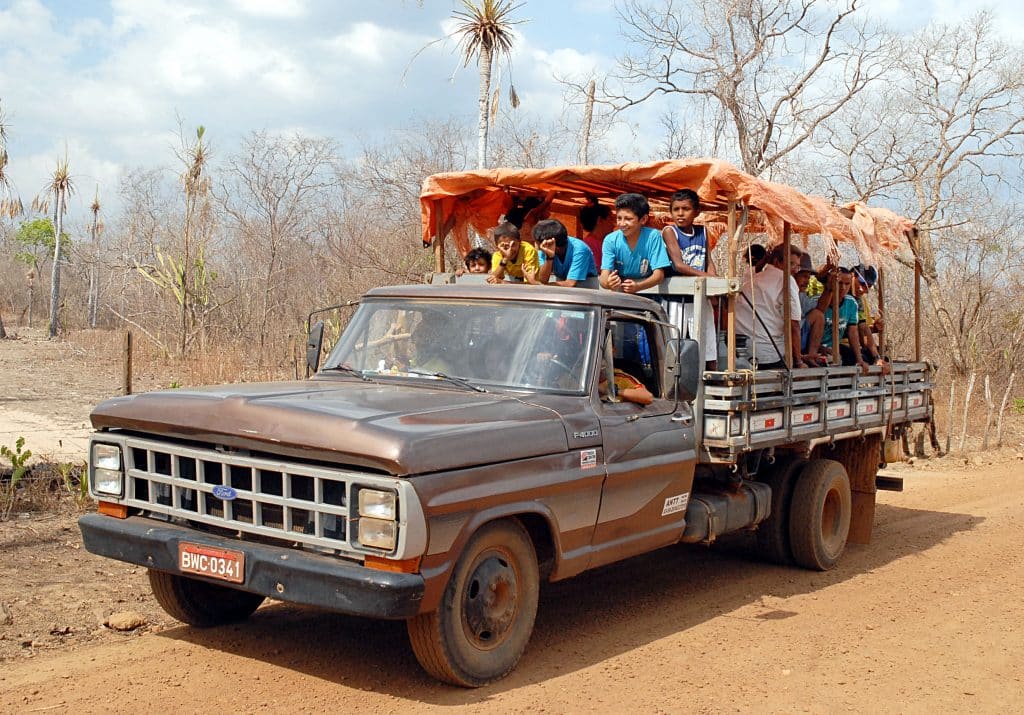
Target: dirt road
[925, 619]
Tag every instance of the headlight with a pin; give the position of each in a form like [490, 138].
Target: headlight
[377, 533]
[378, 505]
[107, 477]
[106, 456]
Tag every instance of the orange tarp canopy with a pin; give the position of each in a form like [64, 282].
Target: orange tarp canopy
[459, 201]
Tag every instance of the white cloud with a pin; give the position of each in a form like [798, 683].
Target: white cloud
[364, 41]
[289, 9]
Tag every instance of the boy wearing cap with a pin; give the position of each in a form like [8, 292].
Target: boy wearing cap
[864, 279]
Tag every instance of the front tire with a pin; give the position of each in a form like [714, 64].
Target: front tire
[199, 603]
[485, 619]
[820, 514]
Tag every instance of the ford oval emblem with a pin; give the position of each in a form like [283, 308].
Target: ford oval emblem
[224, 492]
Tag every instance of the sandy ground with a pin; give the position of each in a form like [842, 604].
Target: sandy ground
[924, 619]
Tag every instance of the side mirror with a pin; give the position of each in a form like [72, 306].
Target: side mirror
[314, 344]
[691, 367]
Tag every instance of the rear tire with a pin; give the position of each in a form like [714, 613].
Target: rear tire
[773, 532]
[485, 619]
[199, 603]
[820, 511]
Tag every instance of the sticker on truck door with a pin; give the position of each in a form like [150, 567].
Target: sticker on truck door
[588, 458]
[676, 504]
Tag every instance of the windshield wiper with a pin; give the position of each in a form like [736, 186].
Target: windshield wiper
[348, 369]
[450, 378]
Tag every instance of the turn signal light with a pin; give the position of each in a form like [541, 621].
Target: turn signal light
[118, 511]
[393, 565]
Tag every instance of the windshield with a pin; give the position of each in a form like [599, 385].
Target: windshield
[513, 345]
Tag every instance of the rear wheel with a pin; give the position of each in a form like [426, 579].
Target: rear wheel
[199, 603]
[485, 619]
[820, 511]
[773, 532]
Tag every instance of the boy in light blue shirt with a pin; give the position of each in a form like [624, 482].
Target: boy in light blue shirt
[634, 257]
[569, 259]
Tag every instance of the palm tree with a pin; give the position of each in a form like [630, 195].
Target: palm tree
[485, 33]
[94, 279]
[196, 183]
[59, 188]
[10, 204]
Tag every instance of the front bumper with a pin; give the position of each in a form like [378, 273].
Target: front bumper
[272, 571]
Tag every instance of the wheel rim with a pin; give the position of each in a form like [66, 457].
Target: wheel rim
[490, 600]
[831, 520]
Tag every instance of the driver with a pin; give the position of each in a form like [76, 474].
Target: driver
[430, 342]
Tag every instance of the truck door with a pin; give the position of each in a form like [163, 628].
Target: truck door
[649, 450]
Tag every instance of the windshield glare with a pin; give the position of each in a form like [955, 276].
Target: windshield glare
[519, 346]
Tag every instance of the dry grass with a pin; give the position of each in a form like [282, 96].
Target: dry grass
[46, 487]
[154, 369]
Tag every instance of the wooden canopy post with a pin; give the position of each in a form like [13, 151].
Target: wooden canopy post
[438, 238]
[917, 297]
[730, 301]
[835, 318]
[787, 309]
[881, 311]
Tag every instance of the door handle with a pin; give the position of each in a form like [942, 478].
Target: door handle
[686, 420]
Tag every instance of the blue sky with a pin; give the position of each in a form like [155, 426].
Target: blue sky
[108, 80]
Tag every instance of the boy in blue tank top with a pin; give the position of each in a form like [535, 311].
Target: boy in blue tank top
[686, 242]
[687, 246]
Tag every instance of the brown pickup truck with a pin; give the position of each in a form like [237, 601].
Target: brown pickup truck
[458, 446]
[462, 443]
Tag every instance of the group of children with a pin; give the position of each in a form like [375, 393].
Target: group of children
[634, 257]
[630, 258]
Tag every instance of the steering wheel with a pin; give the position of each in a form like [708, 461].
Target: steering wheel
[550, 371]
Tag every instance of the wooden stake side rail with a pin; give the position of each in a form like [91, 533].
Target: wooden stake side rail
[743, 411]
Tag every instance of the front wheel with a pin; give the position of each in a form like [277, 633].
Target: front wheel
[485, 619]
[199, 603]
[819, 514]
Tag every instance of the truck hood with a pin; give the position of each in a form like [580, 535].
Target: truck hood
[395, 428]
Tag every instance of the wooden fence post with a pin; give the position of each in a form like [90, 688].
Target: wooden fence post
[949, 419]
[967, 402]
[988, 417]
[126, 364]
[1002, 408]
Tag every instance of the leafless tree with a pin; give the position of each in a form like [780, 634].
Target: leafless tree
[946, 136]
[772, 70]
[272, 193]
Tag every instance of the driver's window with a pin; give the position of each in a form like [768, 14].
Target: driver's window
[634, 353]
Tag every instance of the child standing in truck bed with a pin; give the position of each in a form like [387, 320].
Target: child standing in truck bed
[633, 257]
[687, 246]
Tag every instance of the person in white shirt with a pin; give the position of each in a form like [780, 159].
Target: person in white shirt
[759, 310]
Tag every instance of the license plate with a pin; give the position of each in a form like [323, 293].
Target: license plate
[212, 562]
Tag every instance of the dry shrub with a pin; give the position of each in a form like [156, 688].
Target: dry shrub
[45, 487]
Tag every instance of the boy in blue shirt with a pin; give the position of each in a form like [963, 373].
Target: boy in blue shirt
[569, 259]
[633, 258]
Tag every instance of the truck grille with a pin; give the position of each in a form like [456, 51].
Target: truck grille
[296, 503]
